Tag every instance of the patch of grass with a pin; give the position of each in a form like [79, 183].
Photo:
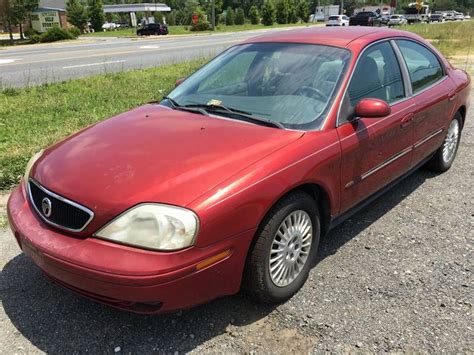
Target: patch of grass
[184, 30]
[34, 118]
[451, 38]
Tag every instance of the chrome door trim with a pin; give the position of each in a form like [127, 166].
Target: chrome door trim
[427, 138]
[393, 158]
[377, 168]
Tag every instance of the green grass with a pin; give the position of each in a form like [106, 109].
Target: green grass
[184, 30]
[451, 38]
[34, 118]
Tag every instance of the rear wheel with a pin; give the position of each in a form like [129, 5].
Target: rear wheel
[444, 156]
[279, 261]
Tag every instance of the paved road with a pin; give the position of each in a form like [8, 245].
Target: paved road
[32, 65]
[396, 277]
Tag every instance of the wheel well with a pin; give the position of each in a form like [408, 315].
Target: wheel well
[462, 111]
[321, 197]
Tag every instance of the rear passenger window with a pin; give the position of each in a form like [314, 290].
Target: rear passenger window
[377, 75]
[423, 65]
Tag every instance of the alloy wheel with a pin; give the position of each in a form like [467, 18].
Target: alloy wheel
[290, 248]
[451, 141]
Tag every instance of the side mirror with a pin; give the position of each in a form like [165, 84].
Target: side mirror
[373, 108]
[179, 82]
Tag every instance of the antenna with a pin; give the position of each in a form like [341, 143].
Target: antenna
[468, 53]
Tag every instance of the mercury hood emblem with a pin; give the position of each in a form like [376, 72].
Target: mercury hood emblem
[46, 206]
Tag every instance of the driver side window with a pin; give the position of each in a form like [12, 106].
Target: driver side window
[377, 75]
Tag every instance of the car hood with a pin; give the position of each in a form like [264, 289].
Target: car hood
[153, 154]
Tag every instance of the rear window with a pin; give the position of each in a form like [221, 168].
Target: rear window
[334, 18]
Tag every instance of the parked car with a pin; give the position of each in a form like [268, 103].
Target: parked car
[467, 17]
[450, 16]
[233, 178]
[437, 17]
[152, 29]
[458, 16]
[364, 18]
[109, 26]
[396, 20]
[338, 20]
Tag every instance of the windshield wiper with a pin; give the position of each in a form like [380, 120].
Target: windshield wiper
[177, 106]
[243, 114]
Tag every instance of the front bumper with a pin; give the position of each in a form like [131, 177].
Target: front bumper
[124, 277]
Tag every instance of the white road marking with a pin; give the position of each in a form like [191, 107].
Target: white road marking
[93, 64]
[150, 47]
[6, 61]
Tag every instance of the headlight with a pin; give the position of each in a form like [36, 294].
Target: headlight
[153, 226]
[30, 164]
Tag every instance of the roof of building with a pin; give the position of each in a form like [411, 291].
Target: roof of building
[142, 7]
[53, 4]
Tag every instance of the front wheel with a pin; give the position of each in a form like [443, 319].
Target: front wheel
[444, 156]
[280, 259]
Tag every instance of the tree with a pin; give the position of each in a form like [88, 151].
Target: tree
[239, 16]
[16, 12]
[302, 10]
[254, 15]
[282, 11]
[171, 18]
[229, 17]
[96, 14]
[292, 17]
[76, 14]
[268, 13]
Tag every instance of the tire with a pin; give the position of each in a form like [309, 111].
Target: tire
[258, 281]
[445, 155]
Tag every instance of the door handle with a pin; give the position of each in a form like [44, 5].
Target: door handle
[407, 120]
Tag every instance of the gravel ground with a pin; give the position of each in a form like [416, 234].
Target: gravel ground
[396, 277]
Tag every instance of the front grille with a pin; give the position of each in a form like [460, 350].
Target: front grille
[57, 210]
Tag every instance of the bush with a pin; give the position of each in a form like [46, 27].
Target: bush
[33, 35]
[229, 17]
[171, 19]
[292, 17]
[74, 31]
[55, 34]
[200, 26]
[268, 13]
[302, 10]
[282, 11]
[239, 16]
[254, 15]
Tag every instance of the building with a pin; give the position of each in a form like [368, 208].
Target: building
[322, 13]
[49, 14]
[382, 9]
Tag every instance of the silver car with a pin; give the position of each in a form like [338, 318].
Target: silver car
[397, 20]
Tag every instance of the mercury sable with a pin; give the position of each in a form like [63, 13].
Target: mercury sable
[232, 179]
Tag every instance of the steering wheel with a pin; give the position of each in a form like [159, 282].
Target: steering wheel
[309, 91]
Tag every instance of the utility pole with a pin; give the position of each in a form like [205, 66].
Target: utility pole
[213, 6]
[342, 7]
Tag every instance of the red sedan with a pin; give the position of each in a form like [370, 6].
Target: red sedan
[232, 179]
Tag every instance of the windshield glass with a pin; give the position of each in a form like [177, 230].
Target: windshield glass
[288, 83]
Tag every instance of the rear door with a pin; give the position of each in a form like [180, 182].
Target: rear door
[375, 151]
[433, 92]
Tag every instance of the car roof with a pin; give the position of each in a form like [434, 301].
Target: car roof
[356, 36]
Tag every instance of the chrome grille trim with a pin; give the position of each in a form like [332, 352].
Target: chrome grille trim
[61, 198]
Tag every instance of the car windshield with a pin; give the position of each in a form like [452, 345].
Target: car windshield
[290, 84]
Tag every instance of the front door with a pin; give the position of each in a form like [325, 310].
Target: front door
[433, 106]
[375, 151]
